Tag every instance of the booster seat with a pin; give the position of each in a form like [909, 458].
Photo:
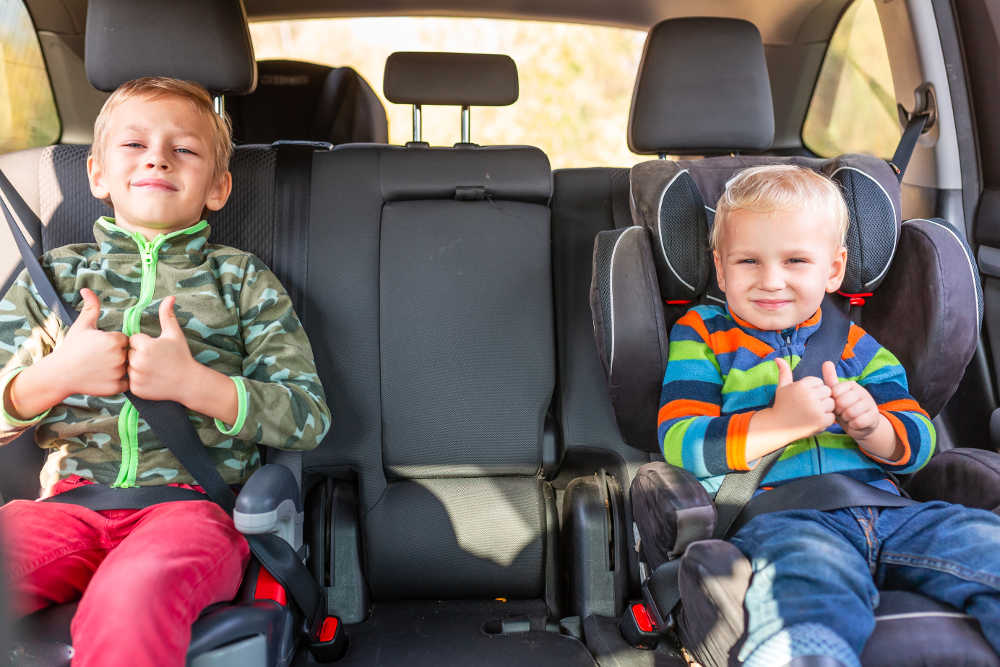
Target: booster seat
[912, 284]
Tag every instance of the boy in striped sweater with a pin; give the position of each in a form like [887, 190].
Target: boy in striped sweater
[729, 398]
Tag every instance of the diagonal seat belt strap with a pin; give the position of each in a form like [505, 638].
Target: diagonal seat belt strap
[31, 263]
[907, 144]
[737, 488]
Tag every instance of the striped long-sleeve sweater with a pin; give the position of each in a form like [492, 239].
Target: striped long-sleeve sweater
[721, 370]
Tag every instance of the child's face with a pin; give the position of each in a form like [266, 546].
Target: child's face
[776, 267]
[157, 166]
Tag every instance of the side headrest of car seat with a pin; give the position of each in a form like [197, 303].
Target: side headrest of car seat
[206, 41]
[349, 110]
[702, 89]
[929, 310]
[461, 79]
[303, 101]
[675, 201]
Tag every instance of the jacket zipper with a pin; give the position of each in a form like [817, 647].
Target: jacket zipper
[128, 419]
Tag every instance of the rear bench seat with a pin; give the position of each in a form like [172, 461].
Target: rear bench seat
[427, 293]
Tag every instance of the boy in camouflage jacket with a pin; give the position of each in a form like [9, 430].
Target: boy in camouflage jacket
[170, 317]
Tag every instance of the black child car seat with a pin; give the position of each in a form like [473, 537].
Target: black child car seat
[703, 90]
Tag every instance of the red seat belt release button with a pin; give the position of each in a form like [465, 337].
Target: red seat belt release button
[331, 641]
[642, 619]
[268, 588]
[329, 629]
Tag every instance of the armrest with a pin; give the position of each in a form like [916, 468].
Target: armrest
[594, 543]
[671, 510]
[270, 502]
[966, 476]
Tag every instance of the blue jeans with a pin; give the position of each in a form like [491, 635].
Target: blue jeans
[816, 574]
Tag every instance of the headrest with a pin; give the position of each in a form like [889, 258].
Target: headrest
[469, 173]
[702, 89]
[461, 79]
[308, 102]
[206, 41]
[676, 202]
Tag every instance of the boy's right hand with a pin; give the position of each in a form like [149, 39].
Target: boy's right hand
[88, 360]
[804, 407]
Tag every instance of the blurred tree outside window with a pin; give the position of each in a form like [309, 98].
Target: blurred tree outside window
[28, 115]
[853, 108]
[575, 80]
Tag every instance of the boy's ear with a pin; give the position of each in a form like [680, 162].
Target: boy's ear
[95, 175]
[719, 277]
[837, 270]
[219, 193]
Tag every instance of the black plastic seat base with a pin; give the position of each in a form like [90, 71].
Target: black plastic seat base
[43, 638]
[489, 633]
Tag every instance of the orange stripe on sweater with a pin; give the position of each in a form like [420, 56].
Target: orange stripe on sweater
[693, 320]
[736, 440]
[735, 338]
[900, 430]
[903, 405]
[687, 407]
[853, 336]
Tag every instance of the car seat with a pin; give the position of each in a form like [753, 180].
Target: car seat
[301, 101]
[645, 275]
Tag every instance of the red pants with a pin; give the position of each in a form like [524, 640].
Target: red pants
[142, 576]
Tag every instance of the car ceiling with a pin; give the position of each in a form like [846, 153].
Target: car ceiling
[779, 21]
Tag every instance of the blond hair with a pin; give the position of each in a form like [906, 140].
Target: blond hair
[154, 87]
[780, 187]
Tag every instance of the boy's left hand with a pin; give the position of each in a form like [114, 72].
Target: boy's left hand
[160, 368]
[854, 407]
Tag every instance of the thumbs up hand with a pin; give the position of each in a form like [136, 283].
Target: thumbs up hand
[804, 407]
[160, 368]
[88, 360]
[854, 407]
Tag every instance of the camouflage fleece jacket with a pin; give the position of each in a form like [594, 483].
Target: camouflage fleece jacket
[238, 320]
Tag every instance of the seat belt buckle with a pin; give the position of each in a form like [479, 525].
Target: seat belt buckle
[329, 640]
[638, 626]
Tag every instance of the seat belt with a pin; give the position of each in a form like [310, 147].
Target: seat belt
[827, 343]
[170, 423]
[829, 491]
[908, 143]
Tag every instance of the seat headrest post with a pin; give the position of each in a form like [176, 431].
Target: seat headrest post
[219, 103]
[466, 123]
[417, 130]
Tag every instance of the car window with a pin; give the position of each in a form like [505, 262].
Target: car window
[28, 115]
[575, 80]
[853, 108]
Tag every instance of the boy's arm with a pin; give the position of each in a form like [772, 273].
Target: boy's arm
[280, 399]
[691, 431]
[877, 410]
[29, 332]
[86, 361]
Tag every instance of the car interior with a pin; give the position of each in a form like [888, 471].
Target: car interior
[491, 332]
